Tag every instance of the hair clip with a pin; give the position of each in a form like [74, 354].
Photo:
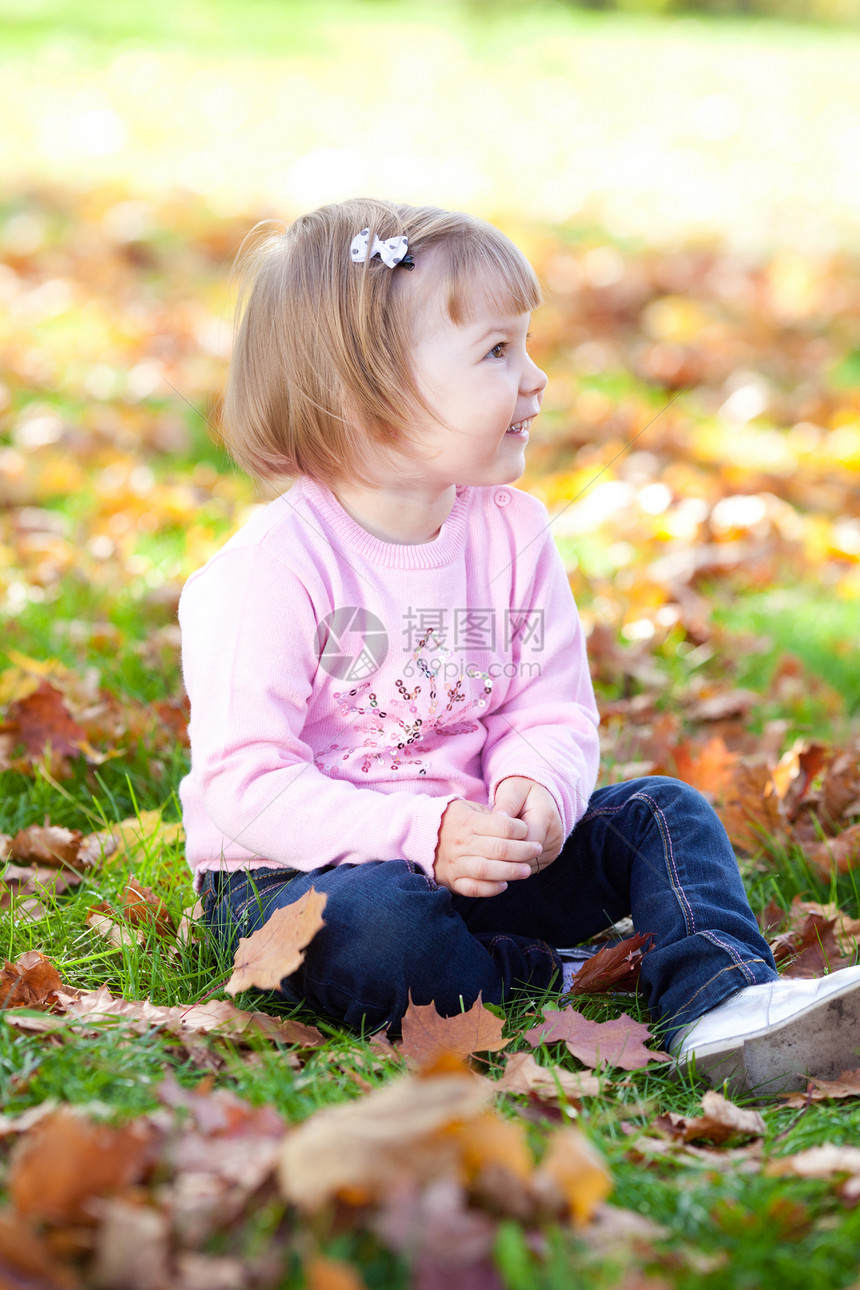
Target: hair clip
[392, 251]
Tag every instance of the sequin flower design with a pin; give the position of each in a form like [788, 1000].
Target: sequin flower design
[399, 729]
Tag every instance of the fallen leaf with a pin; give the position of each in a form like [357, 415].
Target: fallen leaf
[12, 1124]
[277, 948]
[32, 982]
[835, 855]
[840, 788]
[132, 1246]
[522, 1074]
[847, 1084]
[47, 844]
[26, 1263]
[220, 1112]
[42, 723]
[67, 1159]
[210, 1272]
[143, 908]
[847, 929]
[817, 1162]
[749, 807]
[613, 1230]
[708, 768]
[578, 1171]
[447, 1243]
[426, 1034]
[809, 950]
[331, 1274]
[103, 920]
[619, 1042]
[214, 1017]
[720, 1121]
[795, 771]
[359, 1150]
[613, 967]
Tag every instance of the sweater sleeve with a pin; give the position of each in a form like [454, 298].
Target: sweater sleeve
[547, 727]
[249, 660]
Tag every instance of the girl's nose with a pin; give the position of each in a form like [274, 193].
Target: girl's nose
[534, 378]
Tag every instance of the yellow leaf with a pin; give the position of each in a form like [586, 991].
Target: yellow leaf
[277, 948]
[578, 1171]
[489, 1140]
[331, 1274]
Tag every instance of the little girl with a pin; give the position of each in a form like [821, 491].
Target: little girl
[390, 696]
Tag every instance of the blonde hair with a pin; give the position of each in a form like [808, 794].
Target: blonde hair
[321, 381]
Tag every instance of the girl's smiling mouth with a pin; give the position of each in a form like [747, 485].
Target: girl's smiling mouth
[520, 427]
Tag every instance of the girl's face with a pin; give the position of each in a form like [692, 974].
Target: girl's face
[481, 384]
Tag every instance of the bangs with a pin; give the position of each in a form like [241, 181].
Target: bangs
[491, 272]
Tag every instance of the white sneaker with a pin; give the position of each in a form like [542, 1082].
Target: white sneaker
[768, 1038]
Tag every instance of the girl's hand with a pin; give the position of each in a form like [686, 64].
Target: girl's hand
[534, 805]
[480, 851]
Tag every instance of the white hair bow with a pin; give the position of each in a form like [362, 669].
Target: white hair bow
[392, 251]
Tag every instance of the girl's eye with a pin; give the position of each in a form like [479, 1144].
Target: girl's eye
[498, 351]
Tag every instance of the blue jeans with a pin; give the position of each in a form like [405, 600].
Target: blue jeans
[652, 848]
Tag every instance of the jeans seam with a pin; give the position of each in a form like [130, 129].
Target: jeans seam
[677, 885]
[669, 859]
[733, 954]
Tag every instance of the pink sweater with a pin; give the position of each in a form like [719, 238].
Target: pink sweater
[345, 690]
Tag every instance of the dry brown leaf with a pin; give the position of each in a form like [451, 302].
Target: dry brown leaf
[359, 1150]
[331, 1274]
[840, 788]
[426, 1034]
[26, 1263]
[210, 1272]
[214, 1017]
[619, 1042]
[103, 920]
[448, 1245]
[40, 722]
[13, 1124]
[750, 808]
[847, 1084]
[846, 928]
[613, 967]
[47, 844]
[810, 950]
[67, 1159]
[218, 1112]
[839, 854]
[277, 949]
[522, 1074]
[720, 1121]
[488, 1141]
[822, 1161]
[31, 982]
[723, 704]
[578, 1171]
[615, 1231]
[709, 768]
[143, 908]
[132, 1246]
[795, 771]
[129, 837]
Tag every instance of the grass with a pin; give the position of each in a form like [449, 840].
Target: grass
[760, 1231]
[268, 28]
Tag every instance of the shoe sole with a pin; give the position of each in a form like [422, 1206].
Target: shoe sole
[822, 1041]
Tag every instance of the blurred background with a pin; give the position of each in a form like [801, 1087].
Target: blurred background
[650, 118]
[685, 178]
